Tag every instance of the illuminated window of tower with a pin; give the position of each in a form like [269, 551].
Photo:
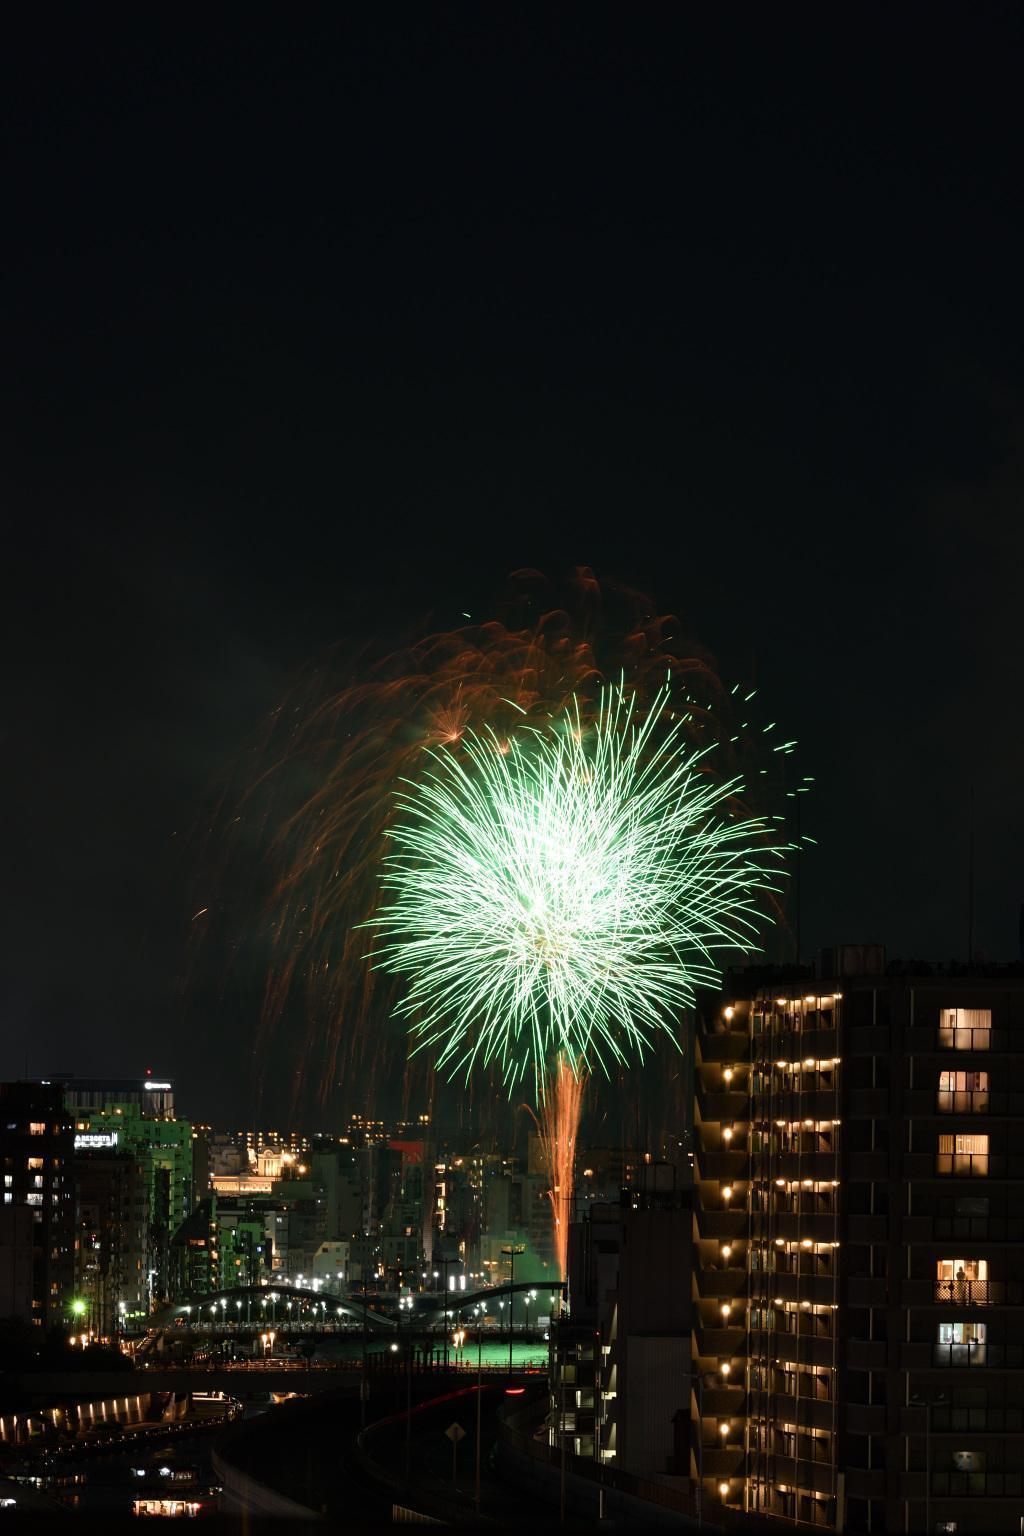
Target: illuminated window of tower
[965, 1029]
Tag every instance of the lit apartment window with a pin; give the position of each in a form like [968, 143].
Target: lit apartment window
[965, 1029]
[37, 1128]
[960, 1344]
[964, 1281]
[33, 1198]
[33, 1164]
[963, 1093]
[963, 1155]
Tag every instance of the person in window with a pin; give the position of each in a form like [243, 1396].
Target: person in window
[960, 1292]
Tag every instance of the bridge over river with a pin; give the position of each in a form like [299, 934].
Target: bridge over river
[252, 1310]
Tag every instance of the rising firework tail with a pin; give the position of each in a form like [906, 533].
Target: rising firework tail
[554, 898]
[562, 892]
[558, 1121]
[304, 831]
[524, 688]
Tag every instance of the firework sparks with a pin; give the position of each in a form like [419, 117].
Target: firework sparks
[557, 1125]
[559, 894]
[319, 805]
[322, 802]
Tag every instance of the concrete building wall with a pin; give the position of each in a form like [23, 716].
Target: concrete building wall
[16, 1246]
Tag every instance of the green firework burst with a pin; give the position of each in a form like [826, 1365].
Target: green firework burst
[564, 892]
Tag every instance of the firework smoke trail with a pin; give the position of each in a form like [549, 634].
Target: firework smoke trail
[554, 897]
[319, 808]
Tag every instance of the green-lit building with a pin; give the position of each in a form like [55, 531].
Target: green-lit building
[162, 1146]
[243, 1250]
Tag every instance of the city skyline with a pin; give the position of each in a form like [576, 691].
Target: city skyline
[512, 916]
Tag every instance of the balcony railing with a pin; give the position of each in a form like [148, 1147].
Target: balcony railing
[993, 1485]
[962, 1101]
[967, 1356]
[963, 1039]
[968, 1293]
[991, 1229]
[964, 1165]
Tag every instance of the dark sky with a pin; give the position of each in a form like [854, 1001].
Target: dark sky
[312, 330]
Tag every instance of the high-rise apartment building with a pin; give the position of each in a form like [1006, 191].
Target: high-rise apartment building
[859, 1171]
[767, 1340]
[36, 1163]
[112, 1249]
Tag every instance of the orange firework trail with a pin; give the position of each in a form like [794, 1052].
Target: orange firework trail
[323, 803]
[558, 1124]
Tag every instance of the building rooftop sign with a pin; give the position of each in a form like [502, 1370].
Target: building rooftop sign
[87, 1140]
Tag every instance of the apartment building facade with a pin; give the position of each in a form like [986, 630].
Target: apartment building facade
[859, 1328]
[38, 1177]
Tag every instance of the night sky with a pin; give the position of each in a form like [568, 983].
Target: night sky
[313, 332]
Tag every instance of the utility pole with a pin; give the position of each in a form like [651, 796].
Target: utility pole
[408, 1409]
[512, 1249]
[479, 1401]
[444, 1263]
[599, 1423]
[364, 1385]
[561, 1428]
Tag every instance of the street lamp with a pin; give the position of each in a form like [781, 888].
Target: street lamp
[445, 1263]
[512, 1249]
